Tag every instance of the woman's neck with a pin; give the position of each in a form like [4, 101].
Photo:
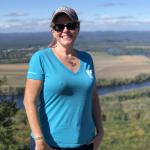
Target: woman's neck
[64, 51]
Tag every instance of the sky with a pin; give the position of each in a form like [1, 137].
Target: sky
[95, 15]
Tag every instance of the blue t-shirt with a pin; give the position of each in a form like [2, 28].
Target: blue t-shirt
[65, 101]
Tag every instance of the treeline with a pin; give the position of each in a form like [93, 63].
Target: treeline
[125, 50]
[116, 82]
[133, 94]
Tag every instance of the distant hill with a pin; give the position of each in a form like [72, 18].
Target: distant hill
[18, 47]
[21, 40]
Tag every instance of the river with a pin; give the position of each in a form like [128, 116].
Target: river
[101, 91]
[122, 88]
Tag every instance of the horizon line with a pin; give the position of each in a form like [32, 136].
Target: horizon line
[79, 32]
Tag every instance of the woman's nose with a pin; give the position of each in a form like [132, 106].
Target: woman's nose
[65, 29]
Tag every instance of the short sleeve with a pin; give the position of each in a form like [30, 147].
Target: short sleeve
[35, 70]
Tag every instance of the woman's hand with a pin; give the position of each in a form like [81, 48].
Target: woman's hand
[96, 141]
[41, 145]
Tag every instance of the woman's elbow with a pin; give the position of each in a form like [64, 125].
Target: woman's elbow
[28, 102]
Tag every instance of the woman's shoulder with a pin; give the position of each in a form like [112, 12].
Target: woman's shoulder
[84, 54]
[39, 55]
[40, 52]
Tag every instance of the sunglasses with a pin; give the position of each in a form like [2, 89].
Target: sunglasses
[69, 26]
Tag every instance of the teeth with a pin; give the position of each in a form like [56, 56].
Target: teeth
[66, 36]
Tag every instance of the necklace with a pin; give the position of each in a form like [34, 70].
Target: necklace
[71, 60]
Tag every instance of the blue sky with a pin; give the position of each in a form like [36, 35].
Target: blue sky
[104, 15]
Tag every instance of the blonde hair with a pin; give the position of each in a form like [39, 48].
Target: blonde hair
[52, 43]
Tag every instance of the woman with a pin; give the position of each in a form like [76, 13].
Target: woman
[60, 99]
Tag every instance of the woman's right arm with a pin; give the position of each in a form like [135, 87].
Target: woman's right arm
[32, 91]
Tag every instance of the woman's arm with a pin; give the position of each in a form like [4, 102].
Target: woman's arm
[32, 91]
[97, 119]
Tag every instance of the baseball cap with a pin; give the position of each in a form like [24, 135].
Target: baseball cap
[66, 10]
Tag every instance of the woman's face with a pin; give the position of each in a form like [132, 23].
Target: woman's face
[64, 37]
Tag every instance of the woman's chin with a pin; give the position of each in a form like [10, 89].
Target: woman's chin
[67, 42]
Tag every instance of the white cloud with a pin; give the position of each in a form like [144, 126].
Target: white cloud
[30, 25]
[109, 17]
[110, 4]
[16, 14]
[116, 23]
[103, 22]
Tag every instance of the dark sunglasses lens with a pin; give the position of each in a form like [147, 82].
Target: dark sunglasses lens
[71, 26]
[59, 27]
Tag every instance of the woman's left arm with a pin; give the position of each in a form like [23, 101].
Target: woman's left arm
[97, 119]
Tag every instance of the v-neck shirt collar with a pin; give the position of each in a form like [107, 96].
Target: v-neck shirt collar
[65, 67]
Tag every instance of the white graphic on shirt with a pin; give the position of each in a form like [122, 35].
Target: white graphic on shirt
[89, 73]
[32, 72]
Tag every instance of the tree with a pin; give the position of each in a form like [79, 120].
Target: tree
[14, 129]
[7, 112]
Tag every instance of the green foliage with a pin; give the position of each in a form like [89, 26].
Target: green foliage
[22, 130]
[126, 120]
[3, 81]
[126, 135]
[133, 94]
[14, 129]
[7, 111]
[115, 82]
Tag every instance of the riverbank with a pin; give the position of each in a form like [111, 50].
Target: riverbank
[122, 81]
[104, 86]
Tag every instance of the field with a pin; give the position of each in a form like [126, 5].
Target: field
[15, 74]
[106, 66]
[126, 66]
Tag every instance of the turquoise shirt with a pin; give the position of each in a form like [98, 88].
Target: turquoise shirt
[65, 101]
